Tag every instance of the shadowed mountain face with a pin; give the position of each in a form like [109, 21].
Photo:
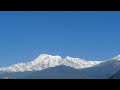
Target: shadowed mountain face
[116, 76]
[15, 75]
[101, 71]
[58, 72]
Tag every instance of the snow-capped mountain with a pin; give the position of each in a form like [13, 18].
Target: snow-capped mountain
[116, 57]
[104, 70]
[57, 72]
[45, 61]
[79, 63]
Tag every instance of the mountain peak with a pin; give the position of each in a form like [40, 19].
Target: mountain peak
[44, 61]
[116, 57]
[44, 55]
[49, 56]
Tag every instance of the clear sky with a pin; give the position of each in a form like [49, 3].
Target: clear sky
[91, 35]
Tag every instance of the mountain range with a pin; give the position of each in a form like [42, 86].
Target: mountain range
[54, 67]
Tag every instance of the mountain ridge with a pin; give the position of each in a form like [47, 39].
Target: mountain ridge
[44, 61]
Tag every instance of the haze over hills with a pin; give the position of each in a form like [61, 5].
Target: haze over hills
[54, 67]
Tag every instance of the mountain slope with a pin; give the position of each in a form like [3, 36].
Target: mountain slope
[79, 63]
[45, 61]
[47, 66]
[42, 62]
[58, 72]
[103, 70]
[116, 75]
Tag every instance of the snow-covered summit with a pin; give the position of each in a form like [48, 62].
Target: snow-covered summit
[49, 56]
[44, 61]
[116, 57]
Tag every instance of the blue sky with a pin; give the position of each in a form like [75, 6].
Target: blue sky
[91, 35]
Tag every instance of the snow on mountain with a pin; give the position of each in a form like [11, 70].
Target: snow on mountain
[79, 63]
[116, 57]
[87, 69]
[45, 61]
[104, 70]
